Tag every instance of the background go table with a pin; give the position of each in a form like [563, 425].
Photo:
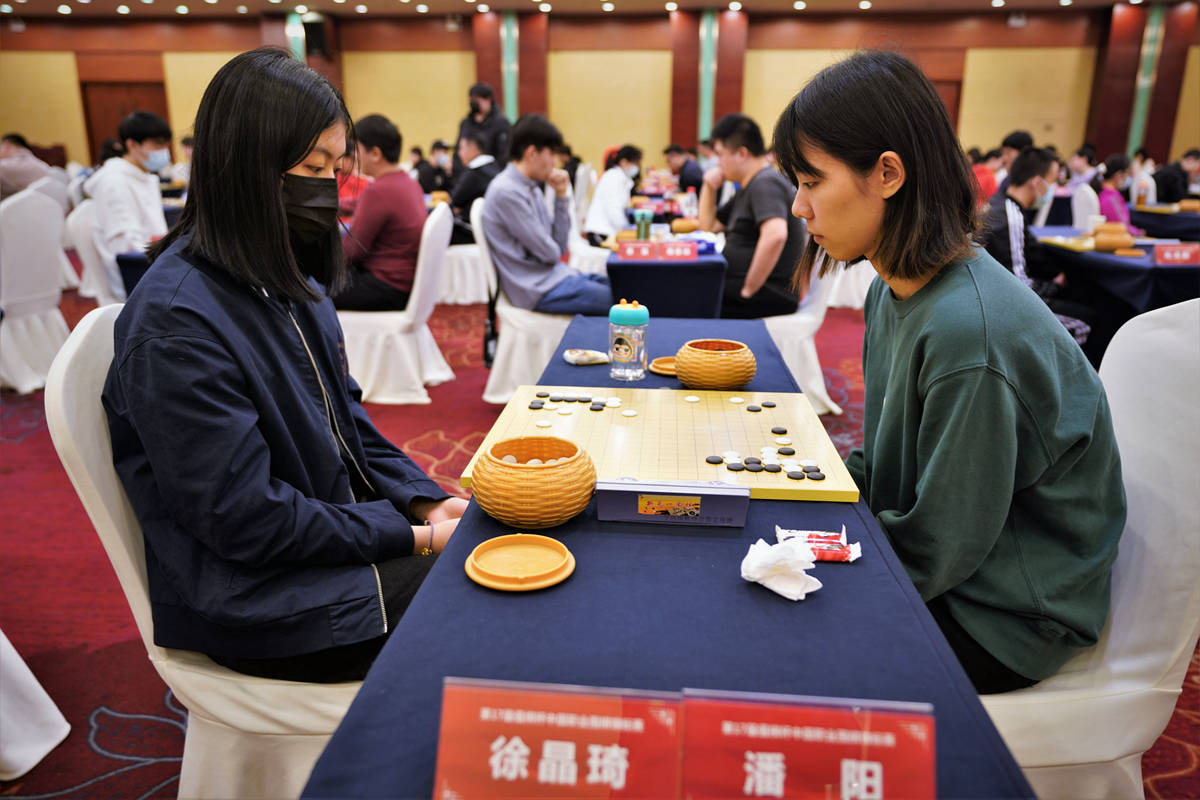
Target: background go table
[663, 608]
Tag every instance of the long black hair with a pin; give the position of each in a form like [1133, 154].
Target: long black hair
[260, 115]
[856, 110]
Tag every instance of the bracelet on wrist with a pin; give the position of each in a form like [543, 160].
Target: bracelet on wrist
[427, 550]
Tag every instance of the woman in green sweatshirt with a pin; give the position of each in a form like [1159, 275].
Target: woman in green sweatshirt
[988, 452]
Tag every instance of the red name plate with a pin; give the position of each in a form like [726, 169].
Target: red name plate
[748, 748]
[677, 251]
[1186, 253]
[516, 740]
[638, 251]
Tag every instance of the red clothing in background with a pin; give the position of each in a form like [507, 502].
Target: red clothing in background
[350, 186]
[987, 184]
[386, 233]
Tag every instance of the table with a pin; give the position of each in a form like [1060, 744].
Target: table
[1183, 225]
[132, 266]
[663, 608]
[690, 288]
[1138, 283]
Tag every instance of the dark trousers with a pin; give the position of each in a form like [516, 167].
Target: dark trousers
[400, 579]
[766, 302]
[987, 674]
[368, 293]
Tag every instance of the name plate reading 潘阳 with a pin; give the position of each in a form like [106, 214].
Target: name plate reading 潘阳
[672, 502]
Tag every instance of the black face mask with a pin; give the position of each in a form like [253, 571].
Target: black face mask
[475, 107]
[311, 205]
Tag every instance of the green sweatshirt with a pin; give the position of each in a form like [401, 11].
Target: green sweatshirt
[989, 459]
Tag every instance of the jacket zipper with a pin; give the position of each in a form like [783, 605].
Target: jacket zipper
[331, 420]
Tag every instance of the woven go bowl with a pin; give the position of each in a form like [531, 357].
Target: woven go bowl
[534, 496]
[715, 364]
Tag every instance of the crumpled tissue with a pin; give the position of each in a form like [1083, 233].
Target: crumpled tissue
[781, 567]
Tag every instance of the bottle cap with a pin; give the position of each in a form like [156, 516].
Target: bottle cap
[626, 313]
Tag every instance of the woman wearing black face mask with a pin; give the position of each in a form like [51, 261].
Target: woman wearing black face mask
[284, 535]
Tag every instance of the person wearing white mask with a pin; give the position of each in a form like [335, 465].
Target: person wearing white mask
[126, 189]
[1006, 236]
[606, 214]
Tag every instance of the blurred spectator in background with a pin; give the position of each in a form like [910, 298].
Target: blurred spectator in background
[1173, 180]
[19, 167]
[481, 167]
[182, 170]
[606, 214]
[683, 165]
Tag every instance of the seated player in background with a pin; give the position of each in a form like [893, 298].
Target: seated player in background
[568, 161]
[992, 465]
[526, 241]
[1172, 180]
[282, 531]
[385, 236]
[1118, 176]
[128, 195]
[479, 169]
[683, 165]
[19, 167]
[606, 213]
[762, 238]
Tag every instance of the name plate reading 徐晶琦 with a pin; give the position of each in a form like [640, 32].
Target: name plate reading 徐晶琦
[672, 503]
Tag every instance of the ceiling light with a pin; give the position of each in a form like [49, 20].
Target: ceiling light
[1064, 2]
[482, 8]
[64, 9]
[799, 5]
[422, 8]
[997, 3]
[864, 4]
[544, 8]
[607, 7]
[5, 9]
[735, 6]
[122, 9]
[360, 8]
[671, 6]
[241, 9]
[181, 9]
[299, 9]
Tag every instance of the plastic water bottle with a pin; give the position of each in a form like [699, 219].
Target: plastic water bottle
[690, 207]
[627, 341]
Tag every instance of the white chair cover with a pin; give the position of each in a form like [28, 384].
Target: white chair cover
[526, 339]
[1082, 732]
[464, 276]
[30, 724]
[33, 328]
[74, 169]
[98, 278]
[246, 736]
[1085, 204]
[1043, 213]
[55, 188]
[851, 284]
[794, 335]
[392, 354]
[60, 175]
[582, 256]
[585, 183]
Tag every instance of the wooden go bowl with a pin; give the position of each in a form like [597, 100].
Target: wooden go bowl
[533, 496]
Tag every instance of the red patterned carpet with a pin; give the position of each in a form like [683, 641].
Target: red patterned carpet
[63, 610]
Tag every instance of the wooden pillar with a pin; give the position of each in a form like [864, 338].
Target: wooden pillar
[328, 61]
[1115, 81]
[685, 77]
[485, 33]
[1168, 81]
[533, 44]
[732, 27]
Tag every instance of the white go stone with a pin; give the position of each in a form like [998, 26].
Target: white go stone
[543, 423]
[806, 462]
[629, 412]
[783, 440]
[550, 406]
[691, 398]
[731, 454]
[534, 462]
[509, 459]
[566, 412]
[613, 402]
[737, 399]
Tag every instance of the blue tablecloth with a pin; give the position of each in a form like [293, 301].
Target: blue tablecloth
[671, 288]
[665, 608]
[1137, 282]
[1184, 225]
[132, 266]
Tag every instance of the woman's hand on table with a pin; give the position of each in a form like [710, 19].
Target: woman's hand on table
[439, 510]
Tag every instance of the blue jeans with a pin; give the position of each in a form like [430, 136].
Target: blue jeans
[578, 294]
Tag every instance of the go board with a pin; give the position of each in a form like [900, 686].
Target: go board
[672, 432]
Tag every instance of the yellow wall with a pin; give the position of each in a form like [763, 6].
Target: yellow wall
[1044, 90]
[600, 98]
[185, 77]
[40, 99]
[773, 77]
[1187, 119]
[424, 92]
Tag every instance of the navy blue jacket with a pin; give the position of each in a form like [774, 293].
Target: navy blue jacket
[255, 544]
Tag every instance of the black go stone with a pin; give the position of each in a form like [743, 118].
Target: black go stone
[754, 468]
[786, 451]
[735, 467]
[556, 398]
[796, 476]
[752, 460]
[584, 398]
[543, 394]
[772, 468]
[816, 476]
[778, 431]
[597, 406]
[768, 403]
[753, 408]
[714, 459]
[535, 404]
[811, 468]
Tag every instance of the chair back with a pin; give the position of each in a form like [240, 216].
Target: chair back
[30, 253]
[435, 240]
[81, 229]
[1151, 374]
[1085, 204]
[55, 189]
[816, 300]
[79, 430]
[585, 182]
[485, 252]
